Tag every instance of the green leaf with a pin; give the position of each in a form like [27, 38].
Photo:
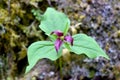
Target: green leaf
[54, 20]
[84, 44]
[39, 50]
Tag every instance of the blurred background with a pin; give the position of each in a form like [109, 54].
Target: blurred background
[19, 21]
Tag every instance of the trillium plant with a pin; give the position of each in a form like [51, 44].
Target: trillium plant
[56, 25]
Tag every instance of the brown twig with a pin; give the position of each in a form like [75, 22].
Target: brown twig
[49, 2]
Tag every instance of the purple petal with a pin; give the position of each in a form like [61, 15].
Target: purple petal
[58, 33]
[69, 39]
[58, 44]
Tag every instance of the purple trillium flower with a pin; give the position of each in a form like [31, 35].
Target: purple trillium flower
[58, 33]
[69, 39]
[58, 43]
[61, 38]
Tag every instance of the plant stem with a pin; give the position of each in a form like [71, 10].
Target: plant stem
[60, 65]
